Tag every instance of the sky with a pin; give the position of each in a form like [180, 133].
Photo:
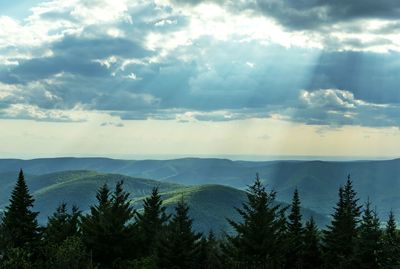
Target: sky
[163, 78]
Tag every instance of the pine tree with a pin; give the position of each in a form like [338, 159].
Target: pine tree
[20, 228]
[294, 234]
[62, 224]
[391, 244]
[259, 238]
[178, 248]
[108, 231]
[311, 253]
[369, 247]
[151, 222]
[340, 236]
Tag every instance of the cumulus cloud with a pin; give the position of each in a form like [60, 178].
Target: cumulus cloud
[340, 107]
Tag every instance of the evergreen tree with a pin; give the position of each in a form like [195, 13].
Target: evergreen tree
[62, 224]
[259, 238]
[108, 232]
[311, 253]
[20, 228]
[369, 247]
[151, 222]
[209, 257]
[391, 244]
[179, 247]
[294, 234]
[340, 236]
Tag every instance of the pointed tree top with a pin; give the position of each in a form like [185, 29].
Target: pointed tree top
[21, 173]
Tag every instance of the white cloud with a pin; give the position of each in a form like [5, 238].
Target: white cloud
[333, 99]
[31, 112]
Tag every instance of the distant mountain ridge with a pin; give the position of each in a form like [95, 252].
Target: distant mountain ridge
[210, 205]
[317, 181]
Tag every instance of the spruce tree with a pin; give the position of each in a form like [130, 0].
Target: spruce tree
[391, 244]
[259, 239]
[311, 253]
[340, 236]
[209, 257]
[178, 248]
[294, 234]
[369, 247]
[62, 224]
[20, 228]
[151, 223]
[108, 232]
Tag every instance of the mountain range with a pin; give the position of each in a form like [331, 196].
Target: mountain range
[213, 187]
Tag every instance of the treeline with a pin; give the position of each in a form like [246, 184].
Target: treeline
[114, 235]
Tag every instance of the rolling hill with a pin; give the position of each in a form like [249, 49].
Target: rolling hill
[210, 205]
[317, 181]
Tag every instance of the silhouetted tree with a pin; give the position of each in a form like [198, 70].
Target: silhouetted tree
[178, 248]
[341, 234]
[62, 224]
[294, 234]
[391, 244]
[369, 247]
[259, 239]
[209, 256]
[20, 229]
[151, 223]
[108, 231]
[311, 252]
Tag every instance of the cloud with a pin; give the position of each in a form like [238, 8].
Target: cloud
[29, 112]
[340, 107]
[320, 13]
[202, 61]
[314, 13]
[334, 25]
[114, 124]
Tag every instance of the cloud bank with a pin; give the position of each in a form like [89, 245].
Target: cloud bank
[312, 62]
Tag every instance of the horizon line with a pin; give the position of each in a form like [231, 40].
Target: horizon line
[232, 157]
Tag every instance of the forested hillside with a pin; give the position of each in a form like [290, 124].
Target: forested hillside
[317, 180]
[210, 204]
[267, 234]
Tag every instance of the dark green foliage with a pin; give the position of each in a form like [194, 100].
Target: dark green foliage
[341, 234]
[369, 247]
[209, 254]
[311, 253]
[151, 223]
[108, 231]
[62, 224]
[70, 254]
[20, 228]
[259, 238]
[179, 245]
[294, 234]
[17, 258]
[391, 244]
